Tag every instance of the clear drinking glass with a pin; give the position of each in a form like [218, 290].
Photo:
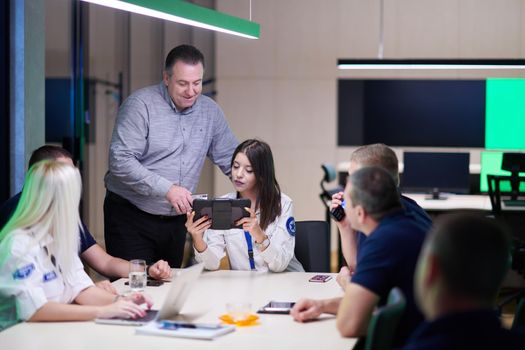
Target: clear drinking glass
[238, 311]
[137, 275]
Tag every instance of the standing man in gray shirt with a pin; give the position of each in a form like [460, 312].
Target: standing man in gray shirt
[161, 138]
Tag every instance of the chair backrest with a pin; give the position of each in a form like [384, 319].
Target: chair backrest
[515, 163]
[518, 324]
[383, 324]
[312, 245]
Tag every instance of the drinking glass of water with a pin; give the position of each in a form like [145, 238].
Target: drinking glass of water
[137, 275]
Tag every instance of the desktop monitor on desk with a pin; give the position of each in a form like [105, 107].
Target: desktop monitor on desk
[435, 172]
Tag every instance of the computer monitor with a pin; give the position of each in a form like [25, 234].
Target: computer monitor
[446, 112]
[435, 172]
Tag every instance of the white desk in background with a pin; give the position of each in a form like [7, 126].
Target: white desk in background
[205, 304]
[459, 202]
[452, 202]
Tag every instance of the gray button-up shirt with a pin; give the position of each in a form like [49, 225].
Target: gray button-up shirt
[154, 146]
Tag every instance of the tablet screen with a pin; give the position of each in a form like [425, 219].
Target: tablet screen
[224, 212]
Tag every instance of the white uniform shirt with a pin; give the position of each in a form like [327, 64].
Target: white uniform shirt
[277, 257]
[30, 278]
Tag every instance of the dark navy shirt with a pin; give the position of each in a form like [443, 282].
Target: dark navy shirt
[467, 330]
[411, 207]
[8, 208]
[419, 213]
[387, 259]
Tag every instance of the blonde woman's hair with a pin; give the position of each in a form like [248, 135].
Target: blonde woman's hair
[49, 204]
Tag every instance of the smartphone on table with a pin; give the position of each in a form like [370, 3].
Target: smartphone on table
[320, 278]
[150, 283]
[277, 307]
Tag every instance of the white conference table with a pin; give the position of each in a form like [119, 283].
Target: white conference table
[205, 304]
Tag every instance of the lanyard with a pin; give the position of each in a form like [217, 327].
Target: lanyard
[250, 249]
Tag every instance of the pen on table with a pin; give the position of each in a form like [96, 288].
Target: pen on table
[175, 325]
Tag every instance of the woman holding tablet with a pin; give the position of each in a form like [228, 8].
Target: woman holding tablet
[267, 238]
[41, 276]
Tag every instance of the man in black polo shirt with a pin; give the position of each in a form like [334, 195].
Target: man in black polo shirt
[386, 259]
[380, 155]
[458, 277]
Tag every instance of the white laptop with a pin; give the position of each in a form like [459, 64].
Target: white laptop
[181, 284]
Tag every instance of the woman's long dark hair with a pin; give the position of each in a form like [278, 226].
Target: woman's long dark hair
[269, 193]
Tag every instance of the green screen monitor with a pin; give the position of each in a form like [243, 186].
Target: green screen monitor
[491, 165]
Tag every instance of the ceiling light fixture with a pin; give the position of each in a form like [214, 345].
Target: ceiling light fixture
[424, 63]
[431, 63]
[187, 13]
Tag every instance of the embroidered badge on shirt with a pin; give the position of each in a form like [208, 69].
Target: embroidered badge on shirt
[290, 226]
[24, 272]
[49, 276]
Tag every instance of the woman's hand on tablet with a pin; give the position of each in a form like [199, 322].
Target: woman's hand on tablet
[251, 225]
[196, 230]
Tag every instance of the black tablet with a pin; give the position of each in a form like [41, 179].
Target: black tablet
[224, 212]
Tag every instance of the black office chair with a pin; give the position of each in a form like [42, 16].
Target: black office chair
[8, 311]
[312, 245]
[383, 324]
[515, 163]
[329, 175]
[518, 323]
[502, 203]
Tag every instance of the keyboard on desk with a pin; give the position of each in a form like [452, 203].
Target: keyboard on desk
[149, 316]
[514, 202]
[139, 321]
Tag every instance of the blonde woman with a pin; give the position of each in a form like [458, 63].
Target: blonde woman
[41, 276]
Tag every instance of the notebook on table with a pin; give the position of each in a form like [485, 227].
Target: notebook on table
[185, 330]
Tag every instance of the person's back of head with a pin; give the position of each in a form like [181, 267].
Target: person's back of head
[377, 154]
[48, 152]
[374, 189]
[185, 53]
[472, 255]
[49, 204]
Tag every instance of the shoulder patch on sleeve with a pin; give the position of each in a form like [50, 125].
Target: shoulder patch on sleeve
[24, 272]
[290, 226]
[49, 276]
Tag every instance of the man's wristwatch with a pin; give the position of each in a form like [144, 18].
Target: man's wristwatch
[264, 244]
